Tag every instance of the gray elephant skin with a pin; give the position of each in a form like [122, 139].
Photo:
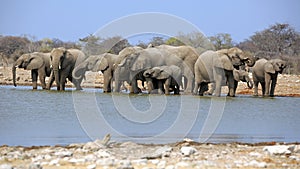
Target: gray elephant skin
[104, 63]
[63, 61]
[215, 66]
[167, 77]
[38, 63]
[238, 75]
[134, 64]
[265, 72]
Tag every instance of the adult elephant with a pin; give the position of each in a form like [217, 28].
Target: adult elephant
[63, 61]
[167, 77]
[140, 60]
[265, 72]
[215, 66]
[104, 63]
[38, 63]
[121, 74]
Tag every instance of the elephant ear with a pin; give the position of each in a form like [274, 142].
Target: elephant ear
[269, 68]
[236, 75]
[140, 64]
[224, 63]
[163, 75]
[35, 62]
[102, 64]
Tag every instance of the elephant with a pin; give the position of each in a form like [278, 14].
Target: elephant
[63, 61]
[38, 63]
[167, 76]
[120, 73]
[265, 72]
[164, 55]
[238, 75]
[215, 66]
[104, 63]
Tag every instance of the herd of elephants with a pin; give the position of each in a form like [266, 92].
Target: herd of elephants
[163, 68]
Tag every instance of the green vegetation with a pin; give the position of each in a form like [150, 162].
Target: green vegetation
[277, 41]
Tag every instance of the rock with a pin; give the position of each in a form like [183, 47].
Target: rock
[97, 144]
[6, 166]
[125, 164]
[35, 166]
[255, 163]
[159, 153]
[170, 167]
[63, 154]
[102, 154]
[54, 162]
[278, 149]
[140, 161]
[255, 154]
[106, 162]
[182, 164]
[295, 148]
[161, 164]
[91, 166]
[187, 151]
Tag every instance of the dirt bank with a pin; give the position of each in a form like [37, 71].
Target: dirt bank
[287, 85]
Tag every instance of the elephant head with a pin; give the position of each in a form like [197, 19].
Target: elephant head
[275, 65]
[157, 73]
[232, 58]
[93, 63]
[242, 75]
[27, 61]
[56, 60]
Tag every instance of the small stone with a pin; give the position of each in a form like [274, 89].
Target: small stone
[54, 162]
[102, 154]
[91, 166]
[278, 149]
[255, 154]
[35, 166]
[159, 153]
[182, 164]
[6, 166]
[161, 164]
[155, 162]
[140, 161]
[187, 151]
[255, 163]
[63, 153]
[170, 167]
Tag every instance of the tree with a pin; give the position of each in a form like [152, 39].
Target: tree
[221, 41]
[196, 40]
[156, 41]
[174, 42]
[11, 47]
[277, 40]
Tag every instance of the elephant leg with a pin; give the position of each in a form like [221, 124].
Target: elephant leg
[212, 89]
[231, 83]
[34, 77]
[203, 88]
[63, 81]
[273, 85]
[134, 86]
[196, 88]
[150, 85]
[106, 85]
[256, 88]
[263, 88]
[42, 77]
[267, 84]
[160, 87]
[167, 86]
[51, 80]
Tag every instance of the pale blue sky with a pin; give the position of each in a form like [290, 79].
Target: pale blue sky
[70, 20]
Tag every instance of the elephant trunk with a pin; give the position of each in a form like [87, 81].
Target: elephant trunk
[251, 61]
[79, 71]
[249, 82]
[56, 66]
[14, 74]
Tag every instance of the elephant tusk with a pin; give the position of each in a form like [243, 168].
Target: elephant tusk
[59, 67]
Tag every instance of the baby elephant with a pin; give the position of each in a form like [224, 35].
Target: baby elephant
[265, 72]
[166, 77]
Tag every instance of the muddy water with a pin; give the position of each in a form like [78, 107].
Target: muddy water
[49, 117]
